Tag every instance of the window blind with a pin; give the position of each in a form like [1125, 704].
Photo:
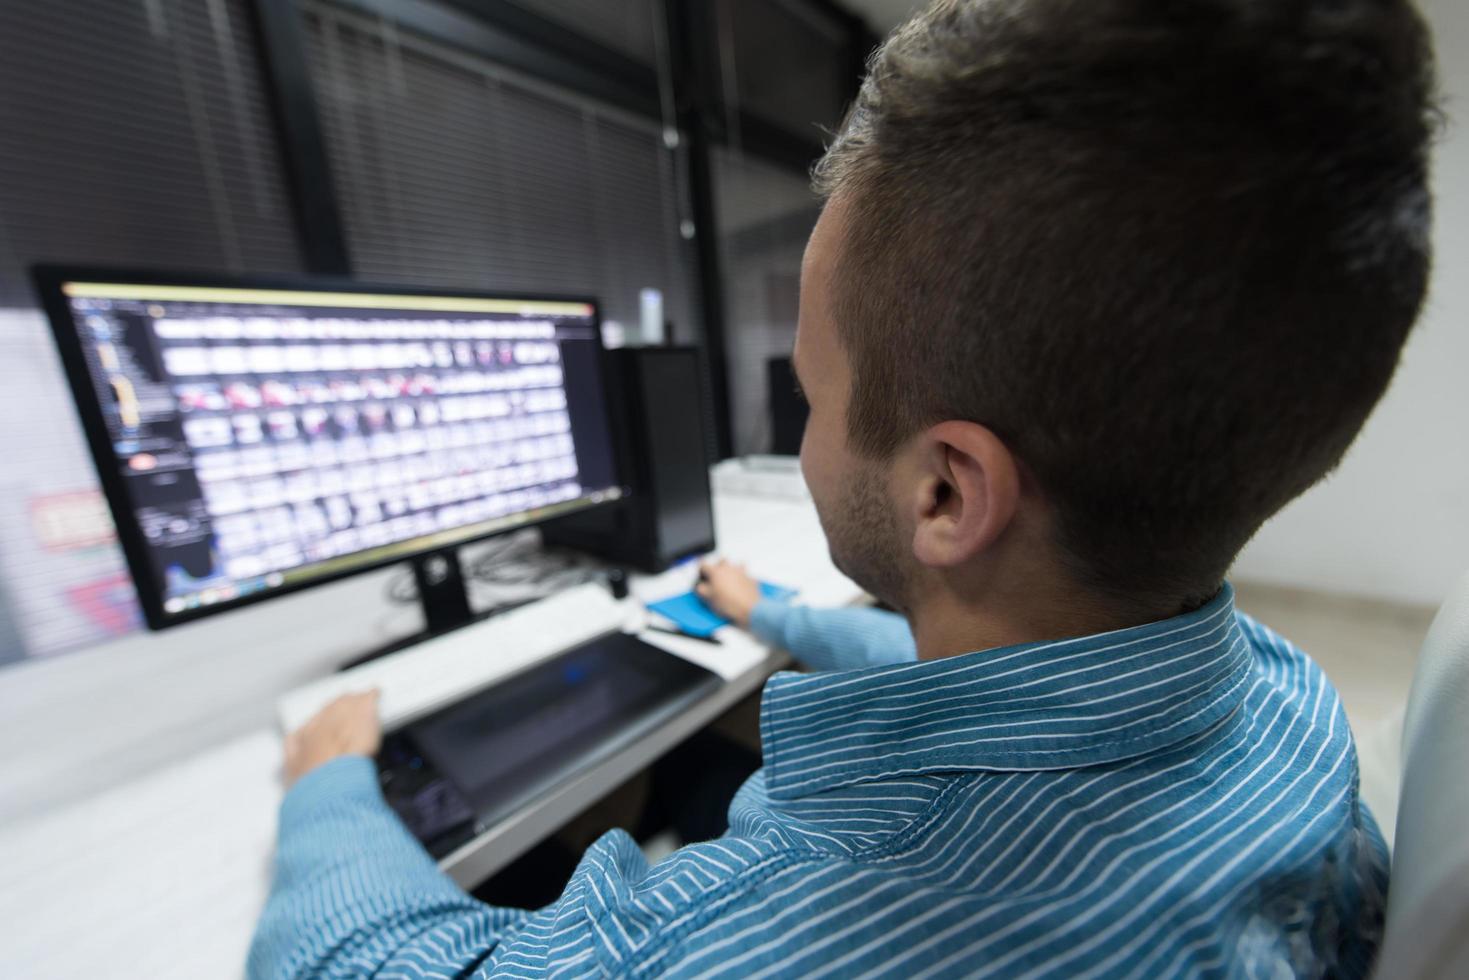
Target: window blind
[629, 27]
[137, 131]
[453, 171]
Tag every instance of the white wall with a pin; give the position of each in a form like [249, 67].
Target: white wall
[1393, 521]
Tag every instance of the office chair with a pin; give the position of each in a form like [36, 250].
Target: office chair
[1428, 899]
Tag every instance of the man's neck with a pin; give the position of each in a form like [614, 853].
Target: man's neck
[944, 626]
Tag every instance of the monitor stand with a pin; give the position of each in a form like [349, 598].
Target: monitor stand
[445, 601]
[441, 590]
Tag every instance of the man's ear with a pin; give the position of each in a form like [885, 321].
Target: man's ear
[966, 494]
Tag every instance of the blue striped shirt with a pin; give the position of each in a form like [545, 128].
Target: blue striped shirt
[1177, 799]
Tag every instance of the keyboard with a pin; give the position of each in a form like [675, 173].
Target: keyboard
[439, 671]
[466, 767]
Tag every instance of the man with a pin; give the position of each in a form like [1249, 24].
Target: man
[1099, 286]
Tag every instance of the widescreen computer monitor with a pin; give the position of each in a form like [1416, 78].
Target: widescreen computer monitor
[255, 438]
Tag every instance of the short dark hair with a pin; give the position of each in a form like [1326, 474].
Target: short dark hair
[1168, 250]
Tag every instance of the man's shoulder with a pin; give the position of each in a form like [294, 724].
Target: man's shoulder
[737, 905]
[782, 863]
[1155, 866]
[1282, 664]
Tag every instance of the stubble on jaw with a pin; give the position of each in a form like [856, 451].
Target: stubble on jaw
[862, 536]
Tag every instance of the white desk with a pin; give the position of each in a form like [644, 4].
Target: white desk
[164, 876]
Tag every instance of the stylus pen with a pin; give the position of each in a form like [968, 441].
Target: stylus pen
[672, 632]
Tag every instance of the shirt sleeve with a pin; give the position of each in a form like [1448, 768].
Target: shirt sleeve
[835, 639]
[355, 894]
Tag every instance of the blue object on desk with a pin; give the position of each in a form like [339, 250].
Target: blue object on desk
[692, 616]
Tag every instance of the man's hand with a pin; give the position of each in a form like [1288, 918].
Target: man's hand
[729, 590]
[347, 726]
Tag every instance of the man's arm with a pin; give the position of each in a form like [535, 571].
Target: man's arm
[354, 894]
[822, 639]
[834, 639]
[353, 891]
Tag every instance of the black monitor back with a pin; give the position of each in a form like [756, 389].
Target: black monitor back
[658, 415]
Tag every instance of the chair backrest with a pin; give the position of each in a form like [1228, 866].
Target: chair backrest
[1428, 898]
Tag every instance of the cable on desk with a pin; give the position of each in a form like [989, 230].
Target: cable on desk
[511, 571]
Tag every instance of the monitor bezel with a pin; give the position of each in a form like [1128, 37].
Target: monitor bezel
[49, 280]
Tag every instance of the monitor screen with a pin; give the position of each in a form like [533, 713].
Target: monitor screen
[254, 440]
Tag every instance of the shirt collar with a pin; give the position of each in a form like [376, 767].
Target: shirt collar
[1053, 705]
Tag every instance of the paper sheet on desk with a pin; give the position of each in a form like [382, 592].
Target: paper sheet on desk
[736, 653]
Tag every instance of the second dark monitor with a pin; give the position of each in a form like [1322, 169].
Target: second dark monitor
[658, 415]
